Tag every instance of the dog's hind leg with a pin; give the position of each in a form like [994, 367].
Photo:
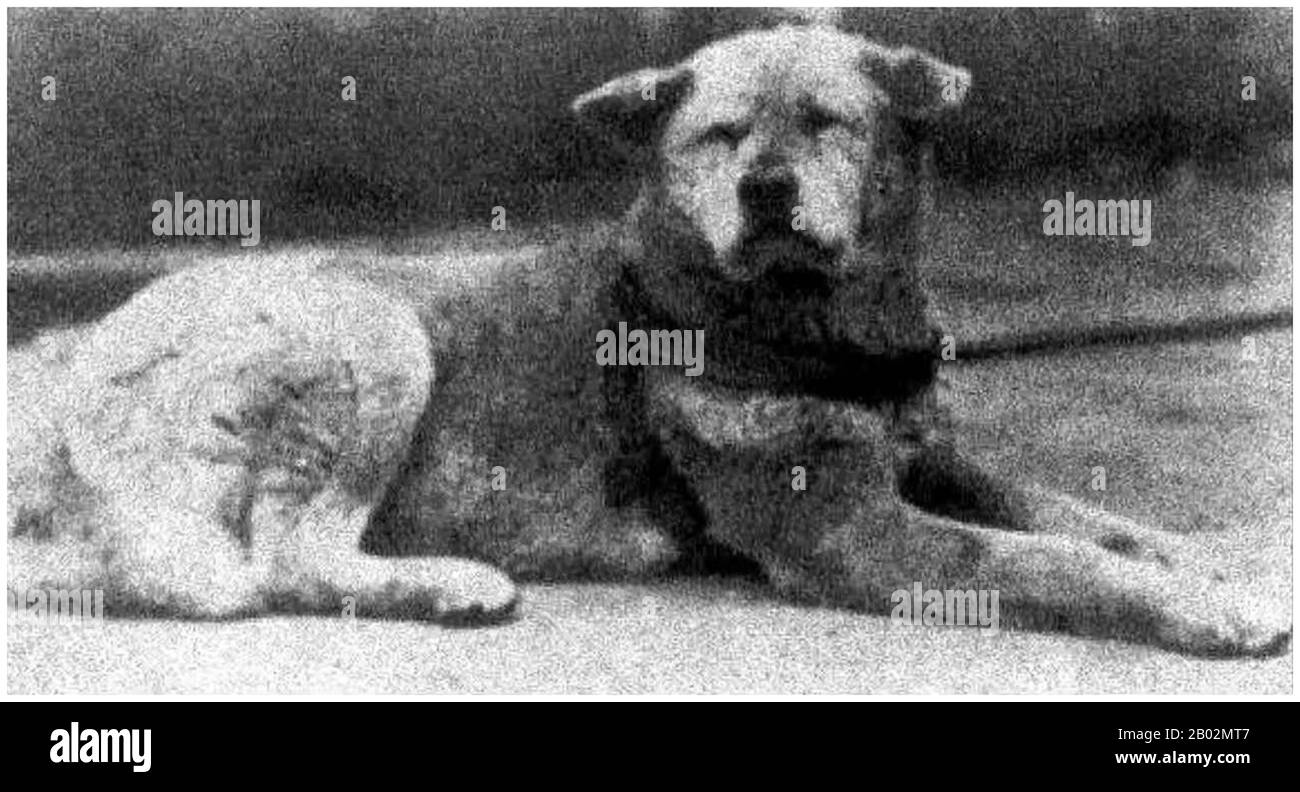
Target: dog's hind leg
[319, 567]
[55, 520]
[241, 426]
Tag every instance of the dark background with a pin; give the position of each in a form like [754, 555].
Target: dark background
[460, 110]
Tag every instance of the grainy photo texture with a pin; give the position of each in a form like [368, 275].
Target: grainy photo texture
[679, 351]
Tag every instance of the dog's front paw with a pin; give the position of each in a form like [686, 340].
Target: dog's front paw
[1225, 620]
[474, 593]
[449, 591]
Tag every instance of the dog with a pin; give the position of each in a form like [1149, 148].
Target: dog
[289, 432]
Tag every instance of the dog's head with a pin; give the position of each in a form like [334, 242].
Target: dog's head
[782, 150]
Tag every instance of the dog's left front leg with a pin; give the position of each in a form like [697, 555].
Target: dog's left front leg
[856, 548]
[1176, 587]
[1062, 582]
[809, 490]
[938, 479]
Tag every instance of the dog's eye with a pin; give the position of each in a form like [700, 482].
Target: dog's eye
[729, 134]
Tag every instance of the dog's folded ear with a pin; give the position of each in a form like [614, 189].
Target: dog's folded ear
[919, 86]
[633, 106]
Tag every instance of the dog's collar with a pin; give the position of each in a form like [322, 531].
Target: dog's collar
[839, 371]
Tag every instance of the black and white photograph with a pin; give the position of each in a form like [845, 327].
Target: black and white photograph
[649, 351]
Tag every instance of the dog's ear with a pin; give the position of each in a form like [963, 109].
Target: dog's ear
[919, 87]
[633, 106]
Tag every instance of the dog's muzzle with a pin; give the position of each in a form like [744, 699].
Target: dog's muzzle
[790, 262]
[772, 248]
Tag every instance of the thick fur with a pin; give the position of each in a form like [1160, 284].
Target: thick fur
[281, 432]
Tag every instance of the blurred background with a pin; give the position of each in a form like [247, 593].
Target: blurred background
[459, 110]
[462, 110]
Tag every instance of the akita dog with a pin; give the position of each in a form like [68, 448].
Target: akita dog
[280, 432]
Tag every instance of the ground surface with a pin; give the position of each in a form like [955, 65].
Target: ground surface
[1206, 459]
[1194, 436]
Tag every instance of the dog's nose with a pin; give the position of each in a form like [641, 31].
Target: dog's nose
[769, 195]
